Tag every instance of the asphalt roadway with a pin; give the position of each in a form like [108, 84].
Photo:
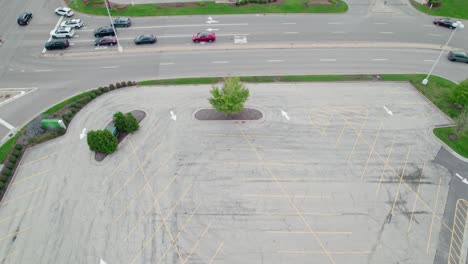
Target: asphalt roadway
[339, 180]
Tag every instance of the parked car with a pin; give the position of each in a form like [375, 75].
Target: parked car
[74, 23]
[204, 37]
[145, 39]
[57, 44]
[104, 31]
[63, 32]
[64, 11]
[122, 22]
[444, 22]
[460, 56]
[105, 41]
[24, 18]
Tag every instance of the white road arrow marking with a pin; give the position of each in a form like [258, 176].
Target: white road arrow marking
[173, 116]
[212, 29]
[283, 113]
[388, 111]
[210, 20]
[83, 133]
[102, 262]
[464, 180]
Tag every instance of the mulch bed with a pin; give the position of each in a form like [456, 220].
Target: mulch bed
[139, 115]
[212, 114]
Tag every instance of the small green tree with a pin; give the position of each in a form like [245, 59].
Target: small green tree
[230, 99]
[125, 123]
[461, 122]
[102, 141]
[460, 93]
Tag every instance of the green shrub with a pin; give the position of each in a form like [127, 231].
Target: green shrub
[19, 147]
[125, 123]
[460, 93]
[129, 83]
[112, 86]
[73, 110]
[105, 89]
[66, 120]
[73, 105]
[10, 165]
[13, 159]
[123, 84]
[16, 153]
[4, 178]
[117, 85]
[102, 141]
[2, 185]
[6, 172]
[92, 95]
[97, 92]
[201, 3]
[102, 90]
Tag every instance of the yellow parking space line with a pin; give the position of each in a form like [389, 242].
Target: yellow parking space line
[196, 244]
[178, 234]
[217, 252]
[9, 255]
[20, 196]
[14, 233]
[297, 213]
[268, 179]
[36, 160]
[433, 214]
[415, 199]
[401, 180]
[258, 148]
[357, 139]
[241, 135]
[321, 252]
[116, 169]
[264, 163]
[130, 203]
[385, 166]
[371, 151]
[29, 177]
[15, 215]
[315, 231]
[339, 138]
[283, 196]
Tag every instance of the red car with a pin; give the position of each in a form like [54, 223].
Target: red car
[204, 37]
[105, 41]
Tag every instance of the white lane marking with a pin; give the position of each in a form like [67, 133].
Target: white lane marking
[109, 67]
[100, 47]
[335, 23]
[173, 116]
[212, 29]
[428, 25]
[275, 60]
[338, 32]
[22, 93]
[435, 35]
[102, 261]
[327, 59]
[174, 26]
[386, 32]
[42, 70]
[220, 62]
[464, 180]
[429, 60]
[388, 111]
[290, 32]
[169, 36]
[166, 63]
[55, 28]
[5, 123]
[83, 133]
[240, 39]
[380, 23]
[379, 59]
[289, 23]
[284, 114]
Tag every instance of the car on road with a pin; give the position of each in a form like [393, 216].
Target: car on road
[444, 22]
[204, 37]
[122, 22]
[105, 41]
[104, 31]
[57, 44]
[460, 56]
[145, 39]
[63, 32]
[24, 18]
[64, 11]
[74, 23]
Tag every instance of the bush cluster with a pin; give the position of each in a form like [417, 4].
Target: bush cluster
[243, 2]
[102, 141]
[125, 123]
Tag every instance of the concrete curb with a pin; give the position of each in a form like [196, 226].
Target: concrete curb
[224, 47]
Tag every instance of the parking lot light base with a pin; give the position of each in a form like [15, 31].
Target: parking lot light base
[425, 81]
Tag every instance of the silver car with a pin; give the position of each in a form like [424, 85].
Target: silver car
[460, 56]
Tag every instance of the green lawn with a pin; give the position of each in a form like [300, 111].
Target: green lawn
[460, 146]
[449, 8]
[211, 8]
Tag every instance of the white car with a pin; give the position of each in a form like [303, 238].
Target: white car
[64, 11]
[73, 23]
[63, 32]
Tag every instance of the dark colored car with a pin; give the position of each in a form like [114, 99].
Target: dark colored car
[57, 44]
[204, 37]
[145, 39]
[105, 41]
[24, 18]
[104, 31]
[460, 56]
[444, 22]
[122, 22]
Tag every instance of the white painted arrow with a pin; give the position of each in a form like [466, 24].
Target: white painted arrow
[283, 113]
[210, 20]
[212, 29]
[83, 133]
[173, 116]
[102, 262]
[464, 180]
[388, 111]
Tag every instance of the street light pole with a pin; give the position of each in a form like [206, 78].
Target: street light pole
[457, 25]
[113, 27]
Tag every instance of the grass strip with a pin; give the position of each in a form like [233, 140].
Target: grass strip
[449, 8]
[7, 146]
[59, 106]
[460, 146]
[212, 8]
